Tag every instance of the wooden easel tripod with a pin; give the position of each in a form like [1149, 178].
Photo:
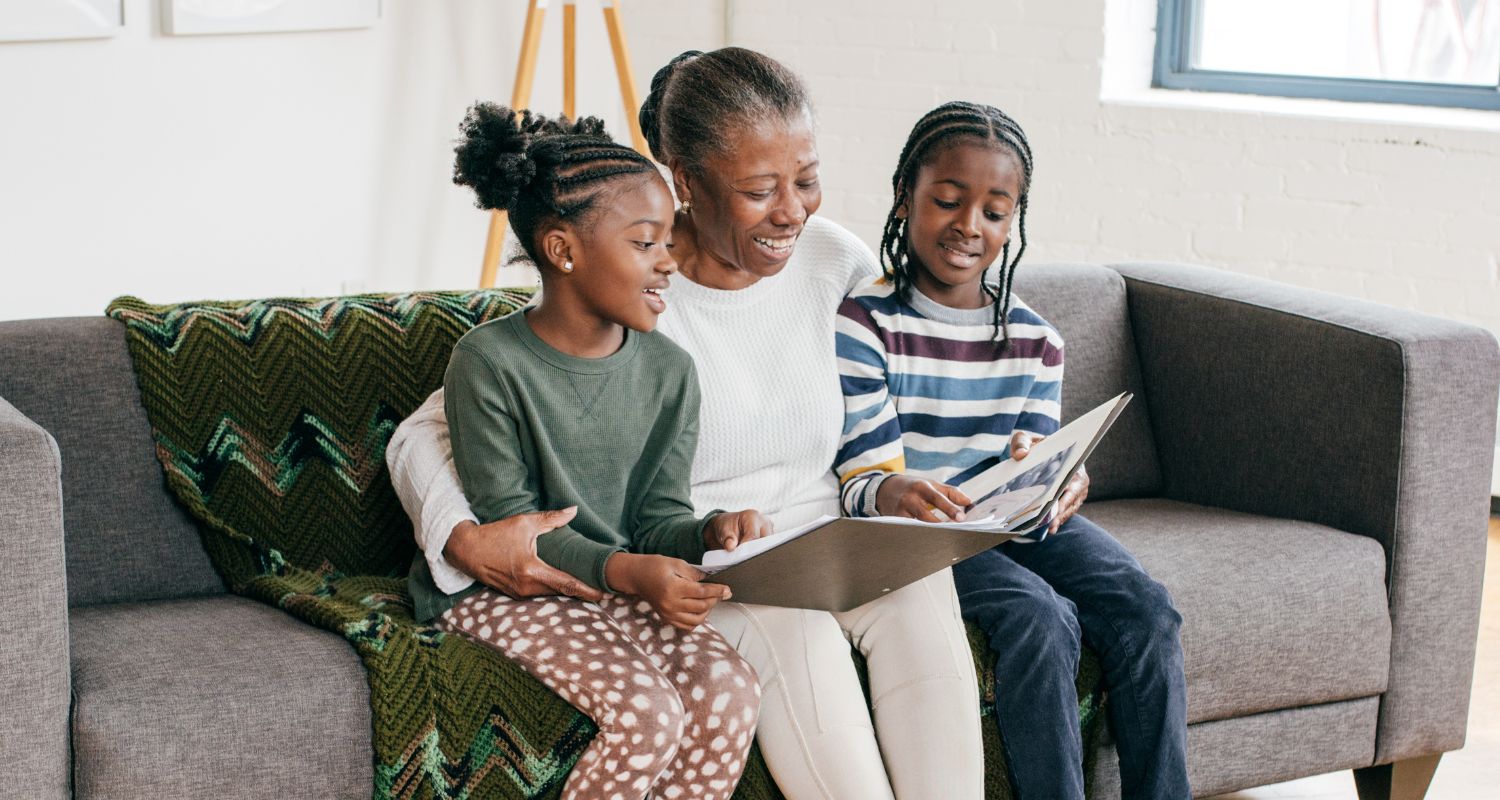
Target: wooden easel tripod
[531, 40]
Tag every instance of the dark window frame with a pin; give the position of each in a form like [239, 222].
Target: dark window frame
[1174, 70]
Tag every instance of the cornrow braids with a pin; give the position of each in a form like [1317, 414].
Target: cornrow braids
[539, 170]
[940, 128]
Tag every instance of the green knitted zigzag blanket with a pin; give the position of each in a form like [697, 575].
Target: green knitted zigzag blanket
[270, 419]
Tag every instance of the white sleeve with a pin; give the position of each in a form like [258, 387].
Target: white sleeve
[420, 459]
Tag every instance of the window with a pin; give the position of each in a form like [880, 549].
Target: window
[1424, 52]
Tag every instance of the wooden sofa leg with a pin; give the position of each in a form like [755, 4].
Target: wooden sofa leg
[1407, 779]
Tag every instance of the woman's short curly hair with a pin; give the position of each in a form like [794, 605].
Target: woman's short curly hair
[698, 100]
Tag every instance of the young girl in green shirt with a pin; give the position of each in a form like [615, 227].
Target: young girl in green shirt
[578, 402]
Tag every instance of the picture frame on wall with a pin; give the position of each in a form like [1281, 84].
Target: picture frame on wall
[44, 20]
[196, 17]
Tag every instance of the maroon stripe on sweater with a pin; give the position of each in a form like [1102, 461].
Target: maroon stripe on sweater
[851, 310]
[912, 344]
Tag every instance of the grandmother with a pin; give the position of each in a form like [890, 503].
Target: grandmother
[760, 279]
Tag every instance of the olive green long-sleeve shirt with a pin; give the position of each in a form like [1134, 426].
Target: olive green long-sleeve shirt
[536, 429]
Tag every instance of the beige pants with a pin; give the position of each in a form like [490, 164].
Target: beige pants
[815, 730]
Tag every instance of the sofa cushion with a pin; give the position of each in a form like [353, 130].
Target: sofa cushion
[1228, 755]
[1276, 614]
[215, 697]
[126, 539]
[1087, 306]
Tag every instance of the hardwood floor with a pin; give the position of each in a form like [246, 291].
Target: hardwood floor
[1472, 773]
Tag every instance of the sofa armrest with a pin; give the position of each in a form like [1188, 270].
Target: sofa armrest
[1292, 403]
[34, 671]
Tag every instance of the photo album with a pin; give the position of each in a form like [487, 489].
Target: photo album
[839, 563]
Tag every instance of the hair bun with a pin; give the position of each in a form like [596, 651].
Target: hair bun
[583, 126]
[650, 109]
[492, 156]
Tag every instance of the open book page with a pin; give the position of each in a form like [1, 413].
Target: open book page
[1019, 503]
[1011, 505]
[719, 560]
[1022, 494]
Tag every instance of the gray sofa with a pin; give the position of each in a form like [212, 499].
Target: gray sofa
[1308, 475]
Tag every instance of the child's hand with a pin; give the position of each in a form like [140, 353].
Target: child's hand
[672, 587]
[905, 496]
[1073, 495]
[731, 529]
[1072, 499]
[1021, 443]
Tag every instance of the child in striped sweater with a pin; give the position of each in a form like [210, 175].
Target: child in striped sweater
[944, 375]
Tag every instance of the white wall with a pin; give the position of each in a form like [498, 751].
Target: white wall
[426, 231]
[273, 164]
[175, 167]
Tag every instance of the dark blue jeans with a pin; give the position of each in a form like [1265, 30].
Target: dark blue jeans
[1037, 603]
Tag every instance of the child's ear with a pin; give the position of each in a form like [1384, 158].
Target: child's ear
[558, 246]
[901, 210]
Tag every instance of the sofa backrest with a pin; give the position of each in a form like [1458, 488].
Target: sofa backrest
[126, 538]
[1087, 305]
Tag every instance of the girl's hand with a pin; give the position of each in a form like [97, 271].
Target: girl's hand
[672, 587]
[502, 555]
[905, 496]
[731, 529]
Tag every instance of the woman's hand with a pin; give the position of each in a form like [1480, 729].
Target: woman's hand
[905, 496]
[502, 555]
[731, 529]
[672, 586]
[1073, 495]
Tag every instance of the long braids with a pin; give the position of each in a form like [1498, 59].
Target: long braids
[538, 169]
[937, 128]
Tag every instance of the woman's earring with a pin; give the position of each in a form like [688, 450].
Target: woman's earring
[687, 206]
[567, 266]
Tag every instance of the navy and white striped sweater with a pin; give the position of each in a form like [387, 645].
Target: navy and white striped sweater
[927, 391]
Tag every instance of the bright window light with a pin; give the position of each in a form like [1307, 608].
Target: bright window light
[1434, 52]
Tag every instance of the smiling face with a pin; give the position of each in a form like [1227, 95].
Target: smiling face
[958, 214]
[621, 261]
[750, 201]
